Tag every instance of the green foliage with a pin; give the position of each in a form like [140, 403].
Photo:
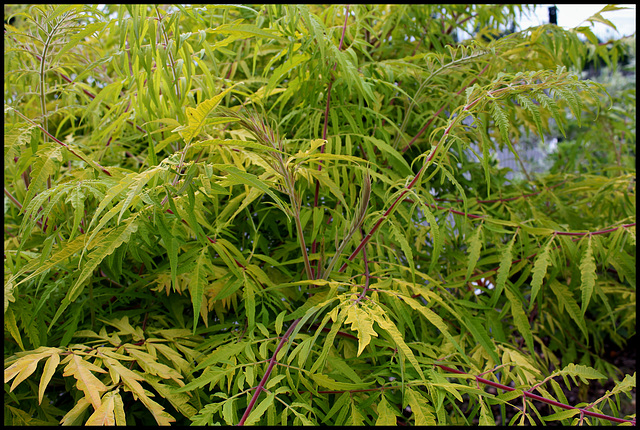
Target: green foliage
[290, 214]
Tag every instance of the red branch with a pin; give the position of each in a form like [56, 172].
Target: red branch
[272, 363]
[492, 384]
[285, 338]
[537, 397]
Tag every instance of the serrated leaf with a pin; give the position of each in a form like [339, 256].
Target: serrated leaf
[9, 318]
[389, 327]
[221, 354]
[47, 373]
[567, 301]
[506, 258]
[196, 118]
[115, 238]
[562, 415]
[534, 110]
[520, 318]
[486, 416]
[244, 31]
[392, 154]
[253, 181]
[328, 382]
[502, 121]
[588, 276]
[130, 381]
[361, 322]
[406, 248]
[86, 382]
[26, 365]
[211, 376]
[539, 271]
[356, 418]
[105, 414]
[150, 365]
[480, 335]
[178, 400]
[436, 234]
[278, 74]
[434, 319]
[418, 404]
[386, 414]
[43, 168]
[581, 371]
[475, 246]
[197, 284]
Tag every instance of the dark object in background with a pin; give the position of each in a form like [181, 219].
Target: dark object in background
[553, 15]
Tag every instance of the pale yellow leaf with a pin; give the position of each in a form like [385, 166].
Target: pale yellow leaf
[130, 380]
[26, 365]
[86, 381]
[49, 369]
[105, 414]
[121, 419]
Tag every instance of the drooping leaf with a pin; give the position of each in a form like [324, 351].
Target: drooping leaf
[519, 317]
[115, 238]
[588, 275]
[130, 381]
[475, 245]
[506, 259]
[197, 284]
[568, 302]
[539, 271]
[420, 410]
[82, 370]
[397, 338]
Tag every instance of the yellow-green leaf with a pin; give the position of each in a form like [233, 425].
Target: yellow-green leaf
[386, 414]
[361, 322]
[568, 302]
[397, 337]
[421, 412]
[539, 271]
[588, 276]
[72, 417]
[330, 383]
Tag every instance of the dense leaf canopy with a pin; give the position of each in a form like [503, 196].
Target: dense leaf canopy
[295, 214]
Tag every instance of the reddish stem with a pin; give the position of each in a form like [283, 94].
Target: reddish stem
[272, 363]
[537, 397]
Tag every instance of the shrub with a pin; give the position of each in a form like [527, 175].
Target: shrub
[293, 215]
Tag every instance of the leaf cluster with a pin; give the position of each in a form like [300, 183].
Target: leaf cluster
[293, 214]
